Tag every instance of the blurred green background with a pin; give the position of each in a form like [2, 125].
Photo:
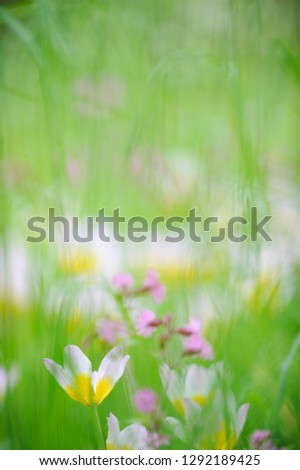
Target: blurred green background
[156, 107]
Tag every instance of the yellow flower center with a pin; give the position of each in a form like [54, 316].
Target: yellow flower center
[81, 389]
[200, 399]
[103, 388]
[179, 404]
[111, 446]
[225, 439]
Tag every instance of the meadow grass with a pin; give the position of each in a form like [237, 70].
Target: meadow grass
[155, 107]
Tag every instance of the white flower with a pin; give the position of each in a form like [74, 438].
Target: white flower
[133, 437]
[189, 390]
[78, 380]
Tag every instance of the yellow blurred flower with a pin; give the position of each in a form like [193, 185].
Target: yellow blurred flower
[226, 430]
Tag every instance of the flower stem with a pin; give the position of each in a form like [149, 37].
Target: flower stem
[99, 433]
[125, 314]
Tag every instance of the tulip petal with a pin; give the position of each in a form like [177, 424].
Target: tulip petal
[81, 389]
[110, 370]
[171, 383]
[61, 376]
[198, 381]
[113, 432]
[176, 427]
[241, 418]
[76, 362]
[112, 366]
[133, 437]
[101, 387]
[192, 411]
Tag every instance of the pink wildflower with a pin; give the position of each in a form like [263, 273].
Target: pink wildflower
[154, 286]
[192, 328]
[146, 323]
[145, 400]
[122, 281]
[194, 344]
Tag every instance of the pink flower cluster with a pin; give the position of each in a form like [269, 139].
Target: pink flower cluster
[123, 282]
[151, 284]
[194, 342]
[146, 323]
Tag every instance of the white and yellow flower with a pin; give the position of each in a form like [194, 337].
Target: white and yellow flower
[80, 382]
[189, 390]
[133, 437]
